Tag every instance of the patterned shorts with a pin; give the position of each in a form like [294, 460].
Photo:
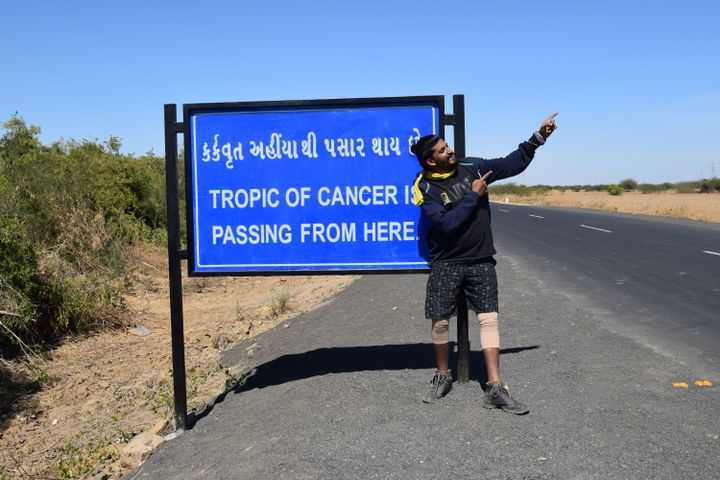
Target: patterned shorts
[478, 280]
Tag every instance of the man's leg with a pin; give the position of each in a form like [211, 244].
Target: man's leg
[497, 394]
[481, 291]
[441, 339]
[441, 382]
[492, 364]
[490, 344]
[442, 288]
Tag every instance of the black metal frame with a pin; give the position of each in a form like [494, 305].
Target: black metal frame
[175, 254]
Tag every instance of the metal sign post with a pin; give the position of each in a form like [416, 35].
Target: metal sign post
[174, 267]
[299, 187]
[463, 338]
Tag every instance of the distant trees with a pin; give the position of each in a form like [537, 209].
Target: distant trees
[521, 190]
[708, 185]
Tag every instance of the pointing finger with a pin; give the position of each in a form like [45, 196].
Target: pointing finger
[484, 177]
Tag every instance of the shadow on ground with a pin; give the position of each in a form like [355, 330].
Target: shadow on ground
[323, 361]
[16, 394]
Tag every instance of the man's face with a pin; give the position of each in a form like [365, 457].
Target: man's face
[443, 157]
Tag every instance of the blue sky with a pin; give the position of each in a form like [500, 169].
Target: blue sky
[637, 84]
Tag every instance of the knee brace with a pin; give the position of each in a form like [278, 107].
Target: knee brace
[489, 332]
[440, 332]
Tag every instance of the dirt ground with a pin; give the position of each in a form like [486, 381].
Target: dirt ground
[695, 206]
[98, 392]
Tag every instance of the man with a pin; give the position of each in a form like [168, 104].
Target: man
[453, 197]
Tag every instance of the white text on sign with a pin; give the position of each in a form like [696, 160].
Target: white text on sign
[344, 196]
[343, 232]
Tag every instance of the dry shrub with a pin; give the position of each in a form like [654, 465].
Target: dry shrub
[82, 241]
[79, 302]
[73, 285]
[280, 303]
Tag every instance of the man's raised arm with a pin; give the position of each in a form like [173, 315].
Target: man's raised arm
[517, 161]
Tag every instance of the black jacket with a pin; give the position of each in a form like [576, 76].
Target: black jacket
[456, 220]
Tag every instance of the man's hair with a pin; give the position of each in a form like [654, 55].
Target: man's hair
[423, 148]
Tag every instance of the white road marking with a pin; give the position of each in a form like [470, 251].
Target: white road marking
[596, 228]
[503, 210]
[536, 216]
[710, 252]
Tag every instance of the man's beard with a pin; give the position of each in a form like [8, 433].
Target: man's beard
[449, 165]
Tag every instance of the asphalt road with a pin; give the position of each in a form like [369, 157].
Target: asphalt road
[337, 394]
[658, 279]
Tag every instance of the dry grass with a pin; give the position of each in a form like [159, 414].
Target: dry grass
[695, 206]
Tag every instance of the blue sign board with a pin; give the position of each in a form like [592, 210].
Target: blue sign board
[305, 188]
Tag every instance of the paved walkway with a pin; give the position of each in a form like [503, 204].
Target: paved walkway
[337, 396]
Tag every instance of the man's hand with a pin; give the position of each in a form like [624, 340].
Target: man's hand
[548, 126]
[479, 186]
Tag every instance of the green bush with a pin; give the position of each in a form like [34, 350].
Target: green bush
[629, 184]
[68, 214]
[709, 185]
[614, 189]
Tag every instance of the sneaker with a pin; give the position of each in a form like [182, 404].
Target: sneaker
[439, 387]
[498, 396]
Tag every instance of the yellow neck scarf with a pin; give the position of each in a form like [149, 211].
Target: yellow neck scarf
[417, 194]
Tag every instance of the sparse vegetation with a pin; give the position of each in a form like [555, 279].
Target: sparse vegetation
[280, 303]
[77, 459]
[239, 313]
[159, 395]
